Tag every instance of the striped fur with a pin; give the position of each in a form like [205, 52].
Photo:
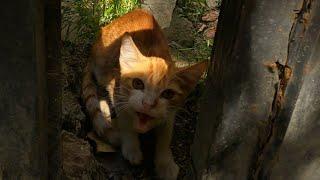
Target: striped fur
[134, 47]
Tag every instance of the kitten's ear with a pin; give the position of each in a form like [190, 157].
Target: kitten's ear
[189, 76]
[129, 53]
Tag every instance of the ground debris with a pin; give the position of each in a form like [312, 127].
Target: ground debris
[210, 16]
[77, 159]
[101, 145]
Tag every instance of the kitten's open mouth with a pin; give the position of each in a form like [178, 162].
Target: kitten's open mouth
[144, 117]
[143, 124]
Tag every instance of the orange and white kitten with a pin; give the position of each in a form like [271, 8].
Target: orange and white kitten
[131, 62]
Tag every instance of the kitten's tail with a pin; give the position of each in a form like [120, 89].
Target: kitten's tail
[90, 98]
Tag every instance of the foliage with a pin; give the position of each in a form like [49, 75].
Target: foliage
[193, 9]
[83, 18]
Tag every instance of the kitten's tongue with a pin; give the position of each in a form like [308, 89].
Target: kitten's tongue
[143, 123]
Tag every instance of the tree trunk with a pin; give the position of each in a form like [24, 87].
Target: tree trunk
[259, 115]
[23, 140]
[52, 25]
[30, 90]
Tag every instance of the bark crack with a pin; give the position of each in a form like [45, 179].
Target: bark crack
[284, 75]
[270, 142]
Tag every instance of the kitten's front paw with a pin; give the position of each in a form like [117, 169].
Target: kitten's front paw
[132, 154]
[100, 124]
[167, 170]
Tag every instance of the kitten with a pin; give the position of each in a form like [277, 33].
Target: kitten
[131, 61]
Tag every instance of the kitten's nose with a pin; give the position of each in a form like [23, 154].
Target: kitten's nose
[147, 105]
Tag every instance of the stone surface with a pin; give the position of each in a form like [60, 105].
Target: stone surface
[162, 10]
[180, 31]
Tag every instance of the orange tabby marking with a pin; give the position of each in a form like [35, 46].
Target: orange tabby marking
[131, 61]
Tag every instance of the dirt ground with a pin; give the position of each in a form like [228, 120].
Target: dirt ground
[78, 153]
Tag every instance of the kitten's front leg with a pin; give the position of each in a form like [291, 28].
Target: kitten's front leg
[166, 168]
[130, 147]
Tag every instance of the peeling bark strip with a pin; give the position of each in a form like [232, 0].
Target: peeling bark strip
[284, 73]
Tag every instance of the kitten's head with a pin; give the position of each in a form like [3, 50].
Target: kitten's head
[150, 88]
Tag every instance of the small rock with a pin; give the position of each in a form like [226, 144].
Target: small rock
[181, 30]
[210, 16]
[161, 10]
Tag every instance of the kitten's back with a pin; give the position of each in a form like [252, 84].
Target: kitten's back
[144, 30]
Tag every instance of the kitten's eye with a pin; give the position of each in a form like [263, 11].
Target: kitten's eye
[168, 94]
[137, 84]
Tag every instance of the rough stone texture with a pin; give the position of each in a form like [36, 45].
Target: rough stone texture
[180, 31]
[162, 10]
[239, 135]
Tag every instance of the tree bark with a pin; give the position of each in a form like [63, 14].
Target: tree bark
[52, 25]
[260, 111]
[23, 140]
[30, 91]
